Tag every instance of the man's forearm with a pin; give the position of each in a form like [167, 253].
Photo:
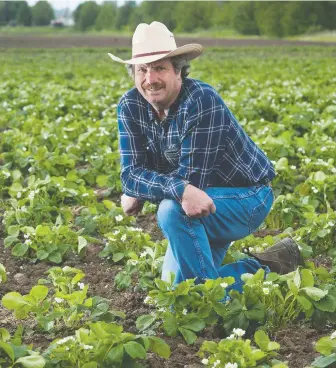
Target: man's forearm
[150, 185]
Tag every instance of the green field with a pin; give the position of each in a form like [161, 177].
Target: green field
[91, 272]
[323, 36]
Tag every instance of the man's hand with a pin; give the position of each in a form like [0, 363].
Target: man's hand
[130, 205]
[196, 203]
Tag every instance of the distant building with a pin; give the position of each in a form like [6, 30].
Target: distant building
[62, 22]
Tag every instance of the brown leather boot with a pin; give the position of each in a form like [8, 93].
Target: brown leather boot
[283, 257]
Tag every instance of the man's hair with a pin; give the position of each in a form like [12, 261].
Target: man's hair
[179, 62]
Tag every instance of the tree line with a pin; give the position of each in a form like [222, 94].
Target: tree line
[279, 18]
[19, 12]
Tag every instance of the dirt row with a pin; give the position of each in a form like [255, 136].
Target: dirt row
[18, 41]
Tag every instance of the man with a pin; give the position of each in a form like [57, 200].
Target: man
[181, 146]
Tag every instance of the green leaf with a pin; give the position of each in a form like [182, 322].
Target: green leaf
[257, 313]
[189, 336]
[304, 302]
[325, 345]
[20, 249]
[143, 322]
[322, 362]
[182, 288]
[39, 292]
[10, 240]
[82, 243]
[13, 301]
[272, 276]
[307, 278]
[4, 335]
[90, 365]
[42, 230]
[8, 350]
[192, 322]
[159, 347]
[262, 340]
[14, 230]
[297, 278]
[326, 304]
[3, 275]
[273, 346]
[42, 254]
[292, 287]
[116, 354]
[55, 257]
[315, 293]
[32, 361]
[108, 204]
[135, 350]
[118, 256]
[165, 299]
[169, 324]
[209, 346]
[102, 180]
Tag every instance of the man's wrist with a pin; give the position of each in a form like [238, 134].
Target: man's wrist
[186, 183]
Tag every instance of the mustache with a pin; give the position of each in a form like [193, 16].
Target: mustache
[153, 87]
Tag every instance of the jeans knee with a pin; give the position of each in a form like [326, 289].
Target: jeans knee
[168, 213]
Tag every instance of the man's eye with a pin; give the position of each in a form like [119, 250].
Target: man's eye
[142, 70]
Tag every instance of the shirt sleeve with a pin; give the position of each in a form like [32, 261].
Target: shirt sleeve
[203, 140]
[137, 180]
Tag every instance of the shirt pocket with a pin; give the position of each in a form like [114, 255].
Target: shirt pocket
[172, 154]
[153, 153]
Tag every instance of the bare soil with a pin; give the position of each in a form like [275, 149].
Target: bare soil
[29, 41]
[296, 341]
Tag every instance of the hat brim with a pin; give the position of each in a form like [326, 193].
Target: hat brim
[190, 51]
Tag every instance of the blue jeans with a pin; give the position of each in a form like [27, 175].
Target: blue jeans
[197, 247]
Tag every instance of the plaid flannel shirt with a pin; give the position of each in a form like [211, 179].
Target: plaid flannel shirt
[199, 142]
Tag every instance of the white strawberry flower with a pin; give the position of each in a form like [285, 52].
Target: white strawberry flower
[333, 335]
[205, 361]
[119, 218]
[239, 332]
[224, 285]
[231, 365]
[266, 291]
[81, 285]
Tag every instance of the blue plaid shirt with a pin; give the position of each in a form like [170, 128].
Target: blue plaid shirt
[200, 142]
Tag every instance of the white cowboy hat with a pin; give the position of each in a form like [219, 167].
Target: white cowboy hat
[154, 41]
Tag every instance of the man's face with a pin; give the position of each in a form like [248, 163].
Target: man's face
[158, 83]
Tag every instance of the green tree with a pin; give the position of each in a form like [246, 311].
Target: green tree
[223, 14]
[24, 16]
[42, 13]
[86, 15]
[309, 15]
[106, 16]
[243, 19]
[161, 11]
[192, 15]
[8, 11]
[124, 14]
[268, 15]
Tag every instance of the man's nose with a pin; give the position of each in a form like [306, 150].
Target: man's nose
[151, 76]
